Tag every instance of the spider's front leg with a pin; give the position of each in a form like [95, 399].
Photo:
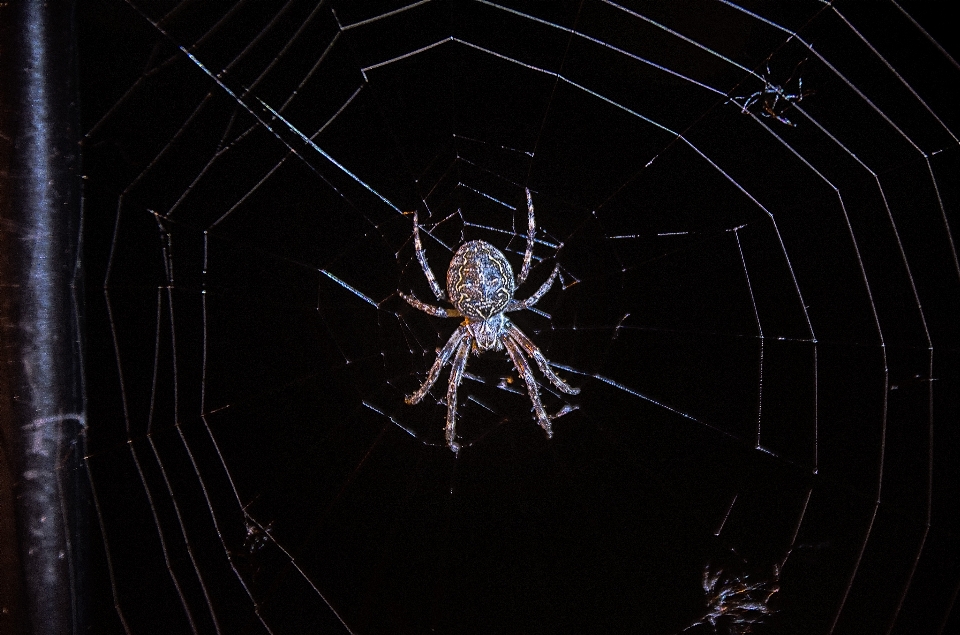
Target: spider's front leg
[518, 336]
[456, 376]
[442, 358]
[531, 236]
[422, 257]
[519, 305]
[523, 367]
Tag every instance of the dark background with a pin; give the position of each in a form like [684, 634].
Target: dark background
[761, 316]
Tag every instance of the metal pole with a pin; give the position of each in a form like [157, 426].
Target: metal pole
[42, 493]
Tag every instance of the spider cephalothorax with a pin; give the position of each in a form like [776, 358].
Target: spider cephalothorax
[480, 286]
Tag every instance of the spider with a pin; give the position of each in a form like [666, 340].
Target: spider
[735, 603]
[773, 101]
[480, 286]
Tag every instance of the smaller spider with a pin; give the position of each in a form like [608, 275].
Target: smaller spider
[774, 101]
[480, 286]
[736, 603]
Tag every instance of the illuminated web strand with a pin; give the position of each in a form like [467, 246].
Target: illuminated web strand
[222, 151]
[563, 79]
[111, 572]
[796, 528]
[539, 241]
[605, 45]
[181, 524]
[886, 372]
[391, 418]
[487, 196]
[309, 75]
[233, 144]
[131, 446]
[862, 96]
[139, 177]
[783, 247]
[779, 90]
[899, 77]
[506, 58]
[429, 233]
[756, 315]
[236, 494]
[929, 502]
[811, 49]
[502, 147]
[926, 35]
[215, 77]
[943, 216]
[223, 464]
[412, 53]
[173, 58]
[309, 142]
[723, 521]
[125, 412]
[164, 548]
[266, 177]
[485, 170]
[286, 47]
[676, 411]
[451, 165]
[376, 18]
[167, 257]
[349, 288]
[757, 16]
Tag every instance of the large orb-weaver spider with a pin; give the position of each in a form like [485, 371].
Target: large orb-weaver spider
[480, 286]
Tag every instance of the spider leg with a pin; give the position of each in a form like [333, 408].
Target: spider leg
[518, 336]
[429, 308]
[519, 305]
[784, 120]
[749, 101]
[422, 257]
[531, 234]
[442, 358]
[456, 376]
[523, 367]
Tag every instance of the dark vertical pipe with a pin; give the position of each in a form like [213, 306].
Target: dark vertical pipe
[42, 496]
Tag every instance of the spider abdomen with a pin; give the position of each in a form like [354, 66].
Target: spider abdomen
[480, 280]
